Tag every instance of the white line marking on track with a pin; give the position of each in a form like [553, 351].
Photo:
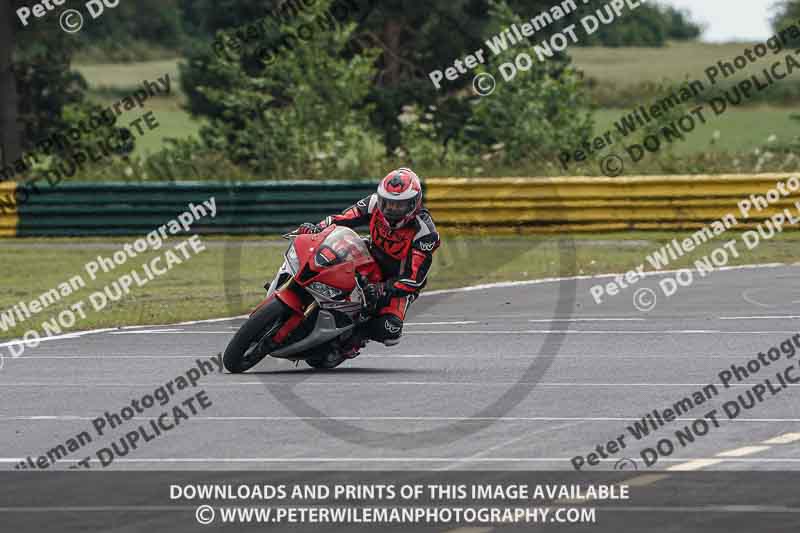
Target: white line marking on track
[510, 419]
[741, 452]
[145, 331]
[490, 449]
[209, 320]
[194, 322]
[496, 357]
[707, 509]
[564, 460]
[736, 454]
[587, 320]
[761, 317]
[173, 332]
[512, 284]
[644, 480]
[379, 357]
[695, 464]
[442, 323]
[387, 383]
[495, 332]
[68, 357]
[470, 288]
[786, 438]
[597, 332]
[95, 509]
[73, 335]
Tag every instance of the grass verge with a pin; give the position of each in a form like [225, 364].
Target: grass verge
[196, 289]
[740, 130]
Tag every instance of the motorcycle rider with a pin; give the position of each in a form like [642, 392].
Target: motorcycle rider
[403, 239]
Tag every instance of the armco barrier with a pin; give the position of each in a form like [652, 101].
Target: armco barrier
[76, 209]
[9, 218]
[597, 203]
[501, 205]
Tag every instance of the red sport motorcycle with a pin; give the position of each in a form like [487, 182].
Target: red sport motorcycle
[313, 305]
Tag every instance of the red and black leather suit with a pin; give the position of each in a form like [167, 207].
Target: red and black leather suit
[404, 256]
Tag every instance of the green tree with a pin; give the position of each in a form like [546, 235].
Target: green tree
[647, 25]
[338, 70]
[785, 12]
[533, 115]
[129, 31]
[10, 134]
[416, 38]
[35, 82]
[41, 96]
[681, 27]
[304, 113]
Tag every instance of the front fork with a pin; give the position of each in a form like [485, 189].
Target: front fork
[290, 296]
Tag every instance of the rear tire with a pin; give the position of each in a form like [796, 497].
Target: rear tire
[250, 333]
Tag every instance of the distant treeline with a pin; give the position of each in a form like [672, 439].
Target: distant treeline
[128, 31]
[786, 12]
[347, 100]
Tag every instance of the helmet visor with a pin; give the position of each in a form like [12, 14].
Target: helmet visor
[396, 210]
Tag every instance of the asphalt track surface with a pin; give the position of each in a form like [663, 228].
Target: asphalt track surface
[516, 377]
[460, 354]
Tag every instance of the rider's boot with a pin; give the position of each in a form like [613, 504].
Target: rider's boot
[353, 349]
[352, 346]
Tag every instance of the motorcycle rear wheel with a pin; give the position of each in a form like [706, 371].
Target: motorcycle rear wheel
[263, 322]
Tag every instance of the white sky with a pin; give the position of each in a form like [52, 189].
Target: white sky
[730, 20]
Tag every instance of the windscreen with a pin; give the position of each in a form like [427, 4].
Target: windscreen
[343, 244]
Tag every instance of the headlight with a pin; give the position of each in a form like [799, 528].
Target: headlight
[325, 290]
[292, 260]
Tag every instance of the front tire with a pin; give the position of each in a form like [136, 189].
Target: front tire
[240, 355]
[325, 361]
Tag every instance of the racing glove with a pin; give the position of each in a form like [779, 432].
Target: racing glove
[308, 228]
[377, 295]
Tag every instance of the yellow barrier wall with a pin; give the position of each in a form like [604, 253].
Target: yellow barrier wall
[514, 205]
[599, 203]
[9, 218]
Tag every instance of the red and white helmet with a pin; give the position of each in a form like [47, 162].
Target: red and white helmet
[399, 197]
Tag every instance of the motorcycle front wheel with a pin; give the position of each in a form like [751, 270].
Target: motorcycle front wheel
[243, 352]
[325, 361]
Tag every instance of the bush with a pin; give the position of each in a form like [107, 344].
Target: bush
[786, 12]
[132, 30]
[530, 117]
[303, 115]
